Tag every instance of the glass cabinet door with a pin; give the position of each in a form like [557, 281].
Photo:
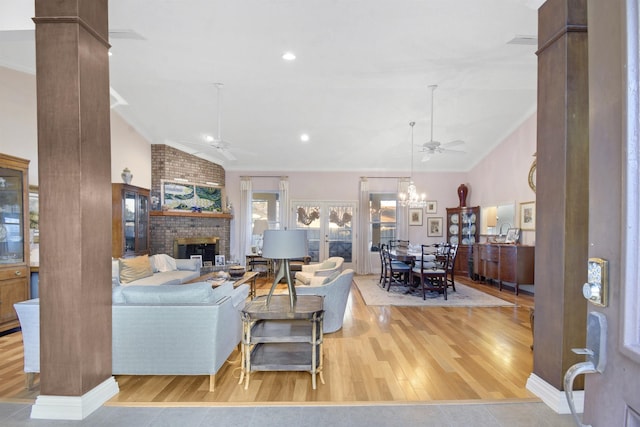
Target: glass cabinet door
[142, 221]
[129, 215]
[11, 216]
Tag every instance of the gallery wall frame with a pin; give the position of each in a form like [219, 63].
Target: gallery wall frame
[431, 207]
[415, 216]
[434, 226]
[528, 216]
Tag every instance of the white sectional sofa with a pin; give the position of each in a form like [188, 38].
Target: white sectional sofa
[157, 269]
[160, 329]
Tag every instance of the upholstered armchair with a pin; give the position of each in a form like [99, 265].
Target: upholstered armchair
[336, 294]
[319, 273]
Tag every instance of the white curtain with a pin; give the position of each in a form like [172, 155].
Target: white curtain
[284, 203]
[245, 217]
[402, 212]
[363, 261]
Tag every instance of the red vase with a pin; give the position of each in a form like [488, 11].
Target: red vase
[462, 195]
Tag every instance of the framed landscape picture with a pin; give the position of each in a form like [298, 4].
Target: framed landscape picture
[186, 196]
[415, 216]
[434, 227]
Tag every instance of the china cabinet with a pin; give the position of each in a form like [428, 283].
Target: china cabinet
[14, 238]
[463, 229]
[130, 221]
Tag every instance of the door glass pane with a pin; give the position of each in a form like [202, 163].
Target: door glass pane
[11, 216]
[129, 222]
[143, 203]
[308, 218]
[340, 231]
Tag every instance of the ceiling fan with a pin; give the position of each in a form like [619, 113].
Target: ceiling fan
[432, 147]
[217, 142]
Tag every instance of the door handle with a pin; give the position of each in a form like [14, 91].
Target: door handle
[596, 358]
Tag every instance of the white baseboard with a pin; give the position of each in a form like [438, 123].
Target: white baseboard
[74, 407]
[554, 398]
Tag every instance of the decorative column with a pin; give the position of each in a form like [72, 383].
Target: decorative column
[562, 197]
[74, 156]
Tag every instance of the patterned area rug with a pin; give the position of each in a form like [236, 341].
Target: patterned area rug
[464, 296]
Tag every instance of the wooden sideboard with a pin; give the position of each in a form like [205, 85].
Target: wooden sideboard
[504, 263]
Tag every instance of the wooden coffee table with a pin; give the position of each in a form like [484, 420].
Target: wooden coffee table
[249, 276]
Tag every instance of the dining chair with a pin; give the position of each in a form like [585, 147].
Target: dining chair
[397, 272]
[383, 269]
[433, 275]
[453, 254]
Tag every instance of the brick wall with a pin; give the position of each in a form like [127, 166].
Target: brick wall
[169, 163]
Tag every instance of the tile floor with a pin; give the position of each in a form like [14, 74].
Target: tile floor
[455, 414]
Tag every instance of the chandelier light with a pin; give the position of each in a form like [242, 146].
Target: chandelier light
[411, 198]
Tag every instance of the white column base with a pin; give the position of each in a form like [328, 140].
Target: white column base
[554, 398]
[74, 407]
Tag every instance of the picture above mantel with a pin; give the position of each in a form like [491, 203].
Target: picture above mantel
[192, 214]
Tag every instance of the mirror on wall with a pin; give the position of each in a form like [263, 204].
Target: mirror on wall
[496, 220]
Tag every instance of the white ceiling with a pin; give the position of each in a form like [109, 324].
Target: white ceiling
[362, 73]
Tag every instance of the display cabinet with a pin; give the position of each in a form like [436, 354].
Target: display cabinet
[463, 229]
[130, 221]
[14, 238]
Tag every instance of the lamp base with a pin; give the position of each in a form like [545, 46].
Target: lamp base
[284, 270]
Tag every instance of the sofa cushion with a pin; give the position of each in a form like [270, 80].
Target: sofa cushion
[167, 278]
[168, 294]
[162, 263]
[135, 268]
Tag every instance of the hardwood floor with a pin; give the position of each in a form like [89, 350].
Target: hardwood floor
[382, 354]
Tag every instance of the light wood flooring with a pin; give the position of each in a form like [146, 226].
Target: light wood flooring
[382, 354]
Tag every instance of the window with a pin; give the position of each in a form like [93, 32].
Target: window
[382, 219]
[265, 215]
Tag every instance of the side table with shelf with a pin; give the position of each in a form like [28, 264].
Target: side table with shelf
[276, 338]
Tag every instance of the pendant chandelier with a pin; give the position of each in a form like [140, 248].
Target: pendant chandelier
[411, 198]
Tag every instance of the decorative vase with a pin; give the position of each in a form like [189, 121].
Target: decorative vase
[126, 175]
[462, 195]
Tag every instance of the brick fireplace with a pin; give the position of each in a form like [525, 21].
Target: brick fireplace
[169, 163]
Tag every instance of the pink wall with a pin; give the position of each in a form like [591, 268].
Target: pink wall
[502, 176]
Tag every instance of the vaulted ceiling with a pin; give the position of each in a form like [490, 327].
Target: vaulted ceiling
[362, 72]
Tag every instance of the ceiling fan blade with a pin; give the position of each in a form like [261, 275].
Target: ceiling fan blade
[226, 153]
[426, 158]
[453, 143]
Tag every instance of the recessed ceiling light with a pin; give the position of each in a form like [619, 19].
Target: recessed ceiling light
[289, 56]
[304, 137]
[208, 138]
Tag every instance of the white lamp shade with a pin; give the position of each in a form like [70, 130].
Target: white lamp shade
[284, 244]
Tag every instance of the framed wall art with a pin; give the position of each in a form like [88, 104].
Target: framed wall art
[432, 207]
[415, 216]
[434, 227]
[528, 216]
[186, 196]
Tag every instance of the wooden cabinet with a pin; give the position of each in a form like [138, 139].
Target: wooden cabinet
[14, 238]
[463, 229]
[504, 263]
[130, 221]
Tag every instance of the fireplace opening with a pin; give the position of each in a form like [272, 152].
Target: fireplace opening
[205, 246]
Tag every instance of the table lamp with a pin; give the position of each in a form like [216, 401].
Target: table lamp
[282, 246]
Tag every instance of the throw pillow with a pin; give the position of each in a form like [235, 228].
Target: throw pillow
[327, 264]
[331, 277]
[163, 263]
[135, 268]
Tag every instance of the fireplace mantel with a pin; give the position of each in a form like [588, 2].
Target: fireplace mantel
[191, 214]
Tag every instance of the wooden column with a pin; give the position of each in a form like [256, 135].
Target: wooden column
[72, 74]
[562, 189]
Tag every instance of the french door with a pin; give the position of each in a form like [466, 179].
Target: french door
[330, 228]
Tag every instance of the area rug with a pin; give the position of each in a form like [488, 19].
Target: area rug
[464, 296]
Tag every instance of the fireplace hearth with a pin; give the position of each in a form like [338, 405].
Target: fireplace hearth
[205, 246]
